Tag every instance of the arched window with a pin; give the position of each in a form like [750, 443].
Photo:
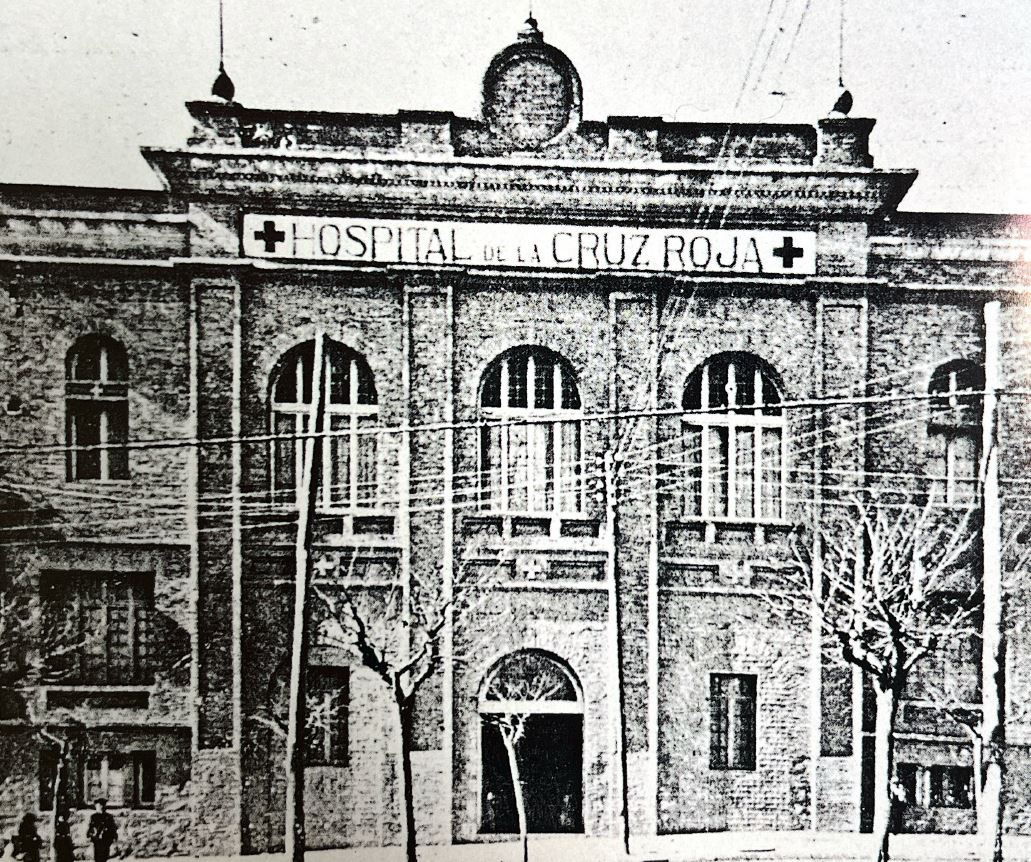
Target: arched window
[734, 440]
[97, 409]
[954, 429]
[530, 443]
[531, 715]
[349, 479]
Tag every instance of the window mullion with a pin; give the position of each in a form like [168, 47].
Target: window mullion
[556, 434]
[103, 452]
[503, 434]
[757, 447]
[706, 466]
[782, 430]
[130, 626]
[299, 429]
[531, 430]
[950, 469]
[353, 403]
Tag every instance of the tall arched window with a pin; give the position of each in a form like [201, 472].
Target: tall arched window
[97, 409]
[531, 711]
[954, 429]
[530, 443]
[734, 440]
[349, 479]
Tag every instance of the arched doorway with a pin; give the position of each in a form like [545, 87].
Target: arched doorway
[531, 707]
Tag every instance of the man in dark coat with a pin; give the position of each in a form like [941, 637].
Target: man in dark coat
[102, 831]
[27, 841]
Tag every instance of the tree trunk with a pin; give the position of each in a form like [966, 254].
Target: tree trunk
[884, 767]
[405, 707]
[517, 789]
[990, 818]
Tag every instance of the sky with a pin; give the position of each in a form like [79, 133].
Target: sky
[85, 83]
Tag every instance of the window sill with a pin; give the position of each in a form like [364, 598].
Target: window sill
[713, 530]
[507, 525]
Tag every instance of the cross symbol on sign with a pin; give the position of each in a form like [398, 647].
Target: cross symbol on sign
[532, 568]
[787, 252]
[327, 566]
[269, 235]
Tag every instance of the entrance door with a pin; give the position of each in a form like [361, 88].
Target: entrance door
[550, 761]
[531, 698]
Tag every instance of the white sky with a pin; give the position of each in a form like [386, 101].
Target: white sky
[84, 83]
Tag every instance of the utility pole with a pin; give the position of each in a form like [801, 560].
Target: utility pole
[307, 499]
[993, 636]
[610, 474]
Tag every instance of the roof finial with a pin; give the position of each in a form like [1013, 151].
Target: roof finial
[223, 88]
[531, 32]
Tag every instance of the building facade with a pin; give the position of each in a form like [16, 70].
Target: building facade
[739, 312]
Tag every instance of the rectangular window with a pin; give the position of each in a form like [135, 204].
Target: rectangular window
[732, 702]
[48, 762]
[124, 780]
[98, 628]
[97, 423]
[328, 706]
[144, 769]
[936, 786]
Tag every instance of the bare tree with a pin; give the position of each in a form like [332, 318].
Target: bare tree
[398, 634]
[874, 575]
[960, 699]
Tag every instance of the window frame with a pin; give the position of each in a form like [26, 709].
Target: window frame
[335, 747]
[924, 784]
[105, 398]
[65, 596]
[356, 413]
[730, 751]
[729, 421]
[547, 472]
[138, 768]
[953, 417]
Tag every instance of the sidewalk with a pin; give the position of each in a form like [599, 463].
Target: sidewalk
[695, 847]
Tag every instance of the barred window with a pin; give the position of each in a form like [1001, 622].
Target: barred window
[97, 628]
[530, 445]
[732, 721]
[97, 409]
[326, 721]
[124, 779]
[940, 786]
[349, 467]
[954, 429]
[735, 442]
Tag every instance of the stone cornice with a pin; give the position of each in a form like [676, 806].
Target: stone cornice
[494, 189]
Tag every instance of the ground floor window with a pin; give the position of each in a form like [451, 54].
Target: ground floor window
[326, 724]
[125, 780]
[732, 721]
[937, 786]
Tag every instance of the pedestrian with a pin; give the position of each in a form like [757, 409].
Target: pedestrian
[64, 849]
[6, 849]
[27, 841]
[102, 831]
